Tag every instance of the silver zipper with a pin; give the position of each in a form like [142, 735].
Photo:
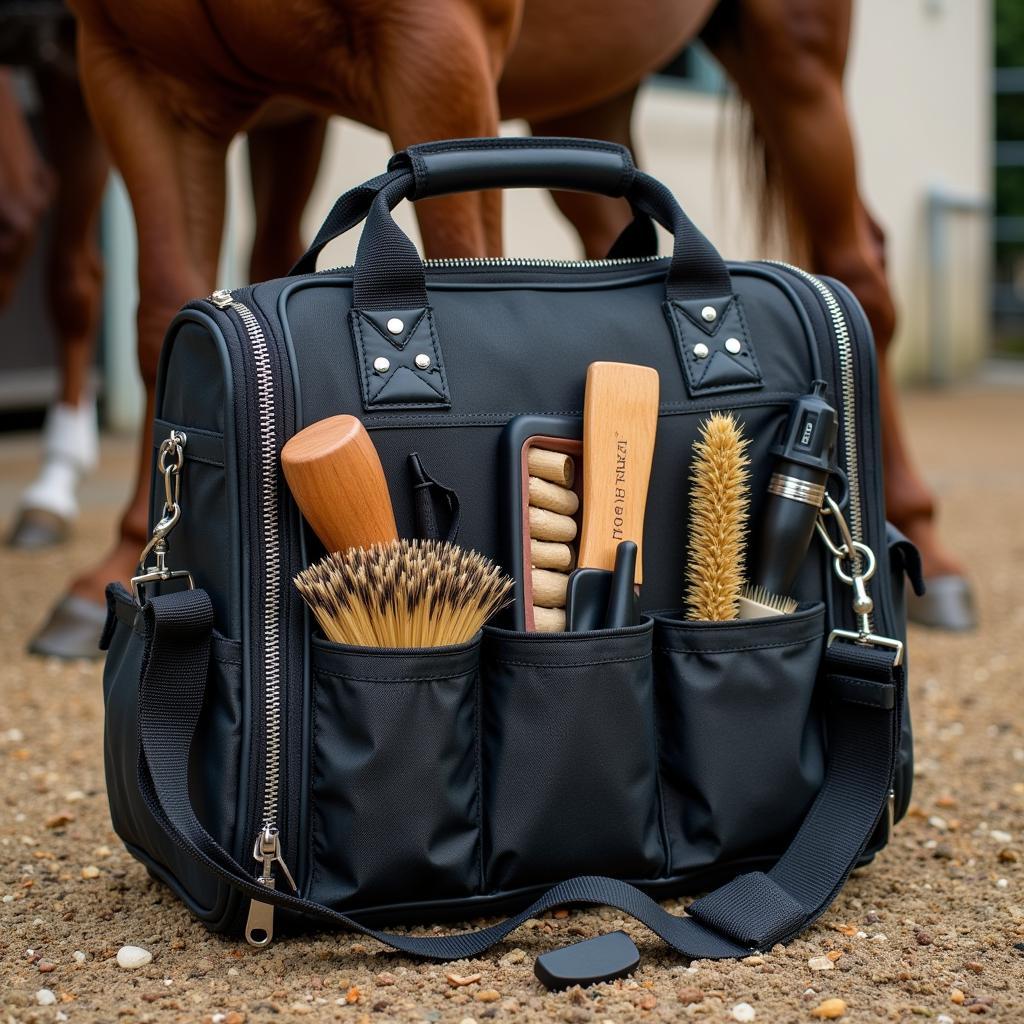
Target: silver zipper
[260, 925]
[844, 350]
[454, 263]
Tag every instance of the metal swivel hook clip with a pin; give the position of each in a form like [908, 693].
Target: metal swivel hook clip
[854, 564]
[170, 460]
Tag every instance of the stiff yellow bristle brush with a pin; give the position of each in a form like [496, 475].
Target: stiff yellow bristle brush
[418, 593]
[719, 505]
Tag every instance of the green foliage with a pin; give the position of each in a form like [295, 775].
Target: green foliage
[1009, 33]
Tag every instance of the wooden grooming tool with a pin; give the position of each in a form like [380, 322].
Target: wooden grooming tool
[553, 497]
[557, 467]
[549, 587]
[620, 420]
[719, 504]
[545, 525]
[405, 594]
[540, 503]
[336, 478]
[545, 554]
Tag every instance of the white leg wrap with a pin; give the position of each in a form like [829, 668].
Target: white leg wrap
[70, 449]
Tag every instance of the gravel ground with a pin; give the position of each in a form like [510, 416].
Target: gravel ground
[934, 930]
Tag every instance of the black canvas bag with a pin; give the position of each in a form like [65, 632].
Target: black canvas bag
[253, 766]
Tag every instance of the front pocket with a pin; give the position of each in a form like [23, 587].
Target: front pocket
[741, 737]
[395, 776]
[570, 756]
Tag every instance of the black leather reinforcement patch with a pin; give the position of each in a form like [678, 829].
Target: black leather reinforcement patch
[401, 368]
[716, 353]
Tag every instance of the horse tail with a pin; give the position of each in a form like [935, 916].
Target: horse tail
[777, 228]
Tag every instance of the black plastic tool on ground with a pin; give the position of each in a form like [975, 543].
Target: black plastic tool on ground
[590, 962]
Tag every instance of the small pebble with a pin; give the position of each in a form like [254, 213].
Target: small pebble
[936, 822]
[648, 1002]
[131, 957]
[923, 938]
[830, 1009]
[943, 1018]
[79, 956]
[820, 963]
[515, 956]
[386, 978]
[1008, 855]
[487, 995]
[957, 997]
[754, 961]
[46, 966]
[45, 997]
[690, 995]
[458, 980]
[468, 1020]
[60, 819]
[1002, 883]
[743, 1012]
[974, 965]
[1000, 836]
[91, 871]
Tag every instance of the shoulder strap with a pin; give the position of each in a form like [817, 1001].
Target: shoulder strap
[864, 695]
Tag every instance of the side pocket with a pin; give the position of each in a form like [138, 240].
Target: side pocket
[570, 756]
[395, 775]
[741, 736]
[214, 768]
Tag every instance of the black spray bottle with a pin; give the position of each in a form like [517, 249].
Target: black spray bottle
[795, 494]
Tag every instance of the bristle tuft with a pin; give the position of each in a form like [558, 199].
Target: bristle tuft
[719, 504]
[418, 593]
[781, 603]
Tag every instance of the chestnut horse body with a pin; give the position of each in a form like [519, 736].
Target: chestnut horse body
[170, 84]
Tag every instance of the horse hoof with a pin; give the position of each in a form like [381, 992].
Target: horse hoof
[37, 528]
[948, 603]
[73, 630]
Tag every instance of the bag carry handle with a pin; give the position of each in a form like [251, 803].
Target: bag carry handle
[389, 273]
[864, 689]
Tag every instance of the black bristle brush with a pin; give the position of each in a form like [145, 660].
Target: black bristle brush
[405, 594]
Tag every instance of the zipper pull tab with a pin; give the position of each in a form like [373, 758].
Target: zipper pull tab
[221, 298]
[259, 926]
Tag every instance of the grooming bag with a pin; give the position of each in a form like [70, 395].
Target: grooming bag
[275, 780]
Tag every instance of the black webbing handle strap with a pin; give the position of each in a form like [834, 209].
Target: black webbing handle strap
[389, 273]
[752, 911]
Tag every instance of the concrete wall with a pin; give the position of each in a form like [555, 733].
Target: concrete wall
[919, 89]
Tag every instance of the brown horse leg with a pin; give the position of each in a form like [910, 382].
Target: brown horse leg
[789, 64]
[75, 267]
[174, 172]
[25, 188]
[599, 220]
[283, 162]
[438, 80]
[49, 505]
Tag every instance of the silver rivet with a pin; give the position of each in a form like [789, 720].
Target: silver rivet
[423, 361]
[733, 346]
[381, 365]
[396, 326]
[709, 314]
[700, 350]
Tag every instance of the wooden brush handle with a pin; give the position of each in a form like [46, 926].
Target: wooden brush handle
[338, 483]
[620, 420]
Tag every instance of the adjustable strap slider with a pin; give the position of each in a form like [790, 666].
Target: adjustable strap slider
[752, 910]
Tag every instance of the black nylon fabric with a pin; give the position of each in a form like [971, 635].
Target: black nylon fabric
[389, 272]
[177, 643]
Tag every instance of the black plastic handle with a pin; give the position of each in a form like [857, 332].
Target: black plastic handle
[463, 165]
[389, 273]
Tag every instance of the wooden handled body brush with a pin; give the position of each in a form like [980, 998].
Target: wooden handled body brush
[335, 476]
[418, 593]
